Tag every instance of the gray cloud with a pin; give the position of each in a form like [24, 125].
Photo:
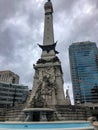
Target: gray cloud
[8, 8]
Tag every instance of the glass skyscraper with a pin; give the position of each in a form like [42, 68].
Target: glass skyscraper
[84, 71]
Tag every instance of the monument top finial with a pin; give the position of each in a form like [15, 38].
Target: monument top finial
[48, 5]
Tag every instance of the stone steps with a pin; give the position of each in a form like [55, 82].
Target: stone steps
[15, 114]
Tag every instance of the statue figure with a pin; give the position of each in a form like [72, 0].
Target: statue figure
[67, 99]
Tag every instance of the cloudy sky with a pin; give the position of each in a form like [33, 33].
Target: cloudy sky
[21, 28]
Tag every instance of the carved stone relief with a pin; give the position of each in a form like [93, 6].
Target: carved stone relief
[46, 87]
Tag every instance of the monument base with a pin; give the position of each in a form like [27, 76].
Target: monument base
[38, 114]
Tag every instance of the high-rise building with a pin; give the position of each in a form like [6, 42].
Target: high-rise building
[9, 77]
[84, 71]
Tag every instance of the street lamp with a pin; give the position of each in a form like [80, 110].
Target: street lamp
[14, 96]
[80, 82]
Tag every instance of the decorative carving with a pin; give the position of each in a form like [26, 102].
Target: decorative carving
[55, 59]
[46, 88]
[48, 48]
[67, 99]
[41, 61]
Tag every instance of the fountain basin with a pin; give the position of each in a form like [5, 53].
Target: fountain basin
[68, 125]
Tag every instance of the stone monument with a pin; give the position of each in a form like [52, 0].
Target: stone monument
[48, 82]
[46, 101]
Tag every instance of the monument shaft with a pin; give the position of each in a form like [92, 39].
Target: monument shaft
[48, 38]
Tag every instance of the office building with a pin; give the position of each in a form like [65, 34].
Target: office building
[10, 94]
[84, 71]
[9, 77]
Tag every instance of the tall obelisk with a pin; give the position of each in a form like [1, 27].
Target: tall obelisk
[48, 39]
[48, 82]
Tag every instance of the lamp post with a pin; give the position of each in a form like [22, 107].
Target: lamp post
[84, 97]
[14, 96]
